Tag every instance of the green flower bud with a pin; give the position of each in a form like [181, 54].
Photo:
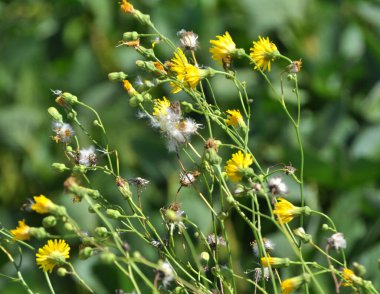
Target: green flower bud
[359, 269]
[69, 148]
[69, 227]
[117, 76]
[211, 155]
[101, 232]
[136, 100]
[239, 53]
[96, 123]
[170, 215]
[147, 53]
[69, 98]
[137, 254]
[107, 257]
[205, 256]
[61, 167]
[59, 210]
[80, 169]
[86, 253]
[88, 241]
[55, 114]
[49, 221]
[96, 206]
[61, 272]
[123, 187]
[38, 233]
[186, 106]
[325, 227]
[147, 97]
[300, 233]
[144, 19]
[130, 36]
[112, 213]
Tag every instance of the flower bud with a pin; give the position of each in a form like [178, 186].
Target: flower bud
[61, 272]
[144, 19]
[205, 256]
[49, 221]
[88, 240]
[69, 227]
[136, 100]
[38, 233]
[128, 36]
[117, 76]
[300, 233]
[69, 98]
[61, 167]
[55, 114]
[359, 269]
[107, 257]
[101, 232]
[112, 213]
[85, 253]
[91, 209]
[123, 187]
[186, 106]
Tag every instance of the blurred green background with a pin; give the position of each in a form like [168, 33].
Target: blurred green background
[71, 45]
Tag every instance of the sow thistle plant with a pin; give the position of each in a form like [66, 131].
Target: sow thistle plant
[236, 184]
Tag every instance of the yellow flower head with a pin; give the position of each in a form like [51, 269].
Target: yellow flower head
[285, 211]
[222, 48]
[42, 204]
[234, 118]
[126, 7]
[237, 165]
[161, 107]
[22, 231]
[263, 52]
[274, 261]
[350, 278]
[186, 73]
[291, 284]
[129, 88]
[54, 253]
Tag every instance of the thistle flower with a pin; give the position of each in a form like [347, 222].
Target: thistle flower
[286, 211]
[189, 40]
[238, 166]
[22, 231]
[234, 118]
[126, 7]
[223, 48]
[42, 204]
[337, 241]
[64, 132]
[263, 52]
[277, 186]
[87, 156]
[54, 253]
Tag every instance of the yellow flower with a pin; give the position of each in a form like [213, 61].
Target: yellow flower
[186, 73]
[54, 253]
[222, 48]
[129, 88]
[42, 204]
[274, 261]
[237, 165]
[350, 278]
[22, 231]
[234, 118]
[126, 7]
[263, 52]
[161, 107]
[291, 284]
[285, 211]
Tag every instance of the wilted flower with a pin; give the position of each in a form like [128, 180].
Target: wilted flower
[337, 241]
[63, 132]
[165, 273]
[238, 166]
[54, 253]
[87, 156]
[277, 186]
[263, 52]
[189, 40]
[294, 67]
[188, 178]
[126, 7]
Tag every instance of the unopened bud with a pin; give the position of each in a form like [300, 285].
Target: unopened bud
[101, 232]
[61, 167]
[61, 272]
[38, 233]
[92, 208]
[49, 221]
[128, 36]
[86, 252]
[107, 257]
[117, 76]
[55, 114]
[69, 98]
[112, 213]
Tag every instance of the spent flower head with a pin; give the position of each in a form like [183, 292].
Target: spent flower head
[263, 52]
[277, 186]
[126, 7]
[189, 40]
[53, 254]
[165, 273]
[268, 246]
[63, 132]
[337, 241]
[87, 156]
[260, 274]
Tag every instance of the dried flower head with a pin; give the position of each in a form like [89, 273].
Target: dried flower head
[268, 246]
[237, 166]
[263, 53]
[189, 40]
[165, 273]
[277, 186]
[87, 156]
[337, 241]
[54, 253]
[22, 231]
[126, 7]
[294, 67]
[63, 132]
[258, 274]
[188, 178]
[214, 241]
